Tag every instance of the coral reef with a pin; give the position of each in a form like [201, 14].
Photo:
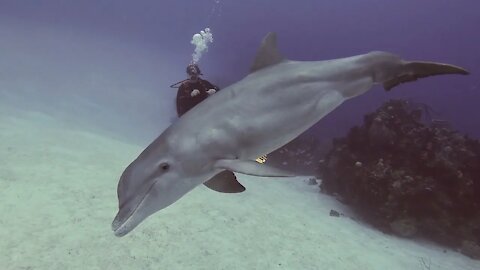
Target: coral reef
[301, 156]
[409, 176]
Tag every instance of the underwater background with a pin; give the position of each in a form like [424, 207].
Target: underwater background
[84, 87]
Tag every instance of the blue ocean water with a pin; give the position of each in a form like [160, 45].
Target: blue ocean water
[443, 31]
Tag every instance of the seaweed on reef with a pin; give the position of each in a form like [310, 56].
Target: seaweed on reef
[408, 176]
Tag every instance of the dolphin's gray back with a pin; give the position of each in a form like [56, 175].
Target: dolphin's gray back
[260, 113]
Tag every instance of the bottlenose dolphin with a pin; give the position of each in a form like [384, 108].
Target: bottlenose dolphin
[271, 106]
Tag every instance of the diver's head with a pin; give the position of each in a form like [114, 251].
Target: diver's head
[193, 71]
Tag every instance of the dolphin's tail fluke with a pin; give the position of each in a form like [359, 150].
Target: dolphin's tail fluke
[411, 71]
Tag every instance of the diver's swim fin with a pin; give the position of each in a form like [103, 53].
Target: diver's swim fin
[225, 182]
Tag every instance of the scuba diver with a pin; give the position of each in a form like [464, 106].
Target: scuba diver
[193, 90]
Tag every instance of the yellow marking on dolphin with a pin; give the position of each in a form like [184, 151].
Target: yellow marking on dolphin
[262, 159]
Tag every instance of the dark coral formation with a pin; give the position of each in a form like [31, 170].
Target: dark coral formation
[301, 155]
[409, 177]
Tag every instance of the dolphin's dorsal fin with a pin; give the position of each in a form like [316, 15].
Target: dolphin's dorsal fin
[267, 54]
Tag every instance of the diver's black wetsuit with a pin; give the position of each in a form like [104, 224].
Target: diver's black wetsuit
[224, 181]
[184, 99]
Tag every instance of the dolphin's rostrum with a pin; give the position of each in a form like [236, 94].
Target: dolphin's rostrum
[271, 106]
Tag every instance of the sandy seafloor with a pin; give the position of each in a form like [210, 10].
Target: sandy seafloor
[58, 198]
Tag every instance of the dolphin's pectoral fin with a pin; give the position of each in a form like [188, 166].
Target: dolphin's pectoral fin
[251, 167]
[225, 182]
[268, 54]
[411, 71]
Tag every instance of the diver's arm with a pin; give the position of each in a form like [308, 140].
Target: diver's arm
[183, 92]
[184, 99]
[210, 85]
[210, 88]
[215, 87]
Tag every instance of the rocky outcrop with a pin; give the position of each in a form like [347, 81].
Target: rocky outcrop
[409, 177]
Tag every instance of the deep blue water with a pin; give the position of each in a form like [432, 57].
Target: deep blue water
[443, 31]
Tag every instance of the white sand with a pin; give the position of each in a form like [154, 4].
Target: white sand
[58, 198]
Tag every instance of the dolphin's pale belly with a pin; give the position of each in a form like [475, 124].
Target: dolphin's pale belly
[271, 127]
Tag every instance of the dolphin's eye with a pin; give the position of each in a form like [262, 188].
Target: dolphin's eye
[164, 166]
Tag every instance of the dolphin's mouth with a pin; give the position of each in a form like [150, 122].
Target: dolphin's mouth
[122, 228]
[123, 225]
